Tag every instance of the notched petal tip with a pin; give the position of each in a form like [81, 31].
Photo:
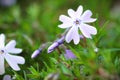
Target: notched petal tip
[22, 61]
[87, 14]
[76, 42]
[67, 39]
[61, 18]
[71, 13]
[64, 18]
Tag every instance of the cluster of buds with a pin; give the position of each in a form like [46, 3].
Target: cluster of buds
[59, 42]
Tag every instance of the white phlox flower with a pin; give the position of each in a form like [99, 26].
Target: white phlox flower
[6, 54]
[77, 20]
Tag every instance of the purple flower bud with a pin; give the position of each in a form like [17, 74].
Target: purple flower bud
[69, 54]
[61, 40]
[56, 44]
[36, 52]
[52, 47]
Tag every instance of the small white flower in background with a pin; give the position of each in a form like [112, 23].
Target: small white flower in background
[77, 20]
[96, 49]
[7, 77]
[6, 53]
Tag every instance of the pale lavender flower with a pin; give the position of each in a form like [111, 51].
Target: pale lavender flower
[7, 2]
[36, 53]
[55, 44]
[69, 54]
[6, 53]
[7, 77]
[77, 20]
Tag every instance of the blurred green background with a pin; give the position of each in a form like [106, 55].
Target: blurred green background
[33, 22]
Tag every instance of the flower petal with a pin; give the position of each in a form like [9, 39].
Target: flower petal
[87, 30]
[86, 17]
[2, 40]
[71, 13]
[86, 14]
[10, 47]
[69, 54]
[67, 22]
[65, 25]
[89, 20]
[79, 11]
[68, 37]
[2, 69]
[73, 34]
[13, 61]
[76, 37]
[64, 18]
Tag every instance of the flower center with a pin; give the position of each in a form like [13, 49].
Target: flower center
[2, 51]
[77, 22]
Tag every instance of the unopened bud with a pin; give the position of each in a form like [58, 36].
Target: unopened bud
[52, 47]
[36, 52]
[55, 44]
